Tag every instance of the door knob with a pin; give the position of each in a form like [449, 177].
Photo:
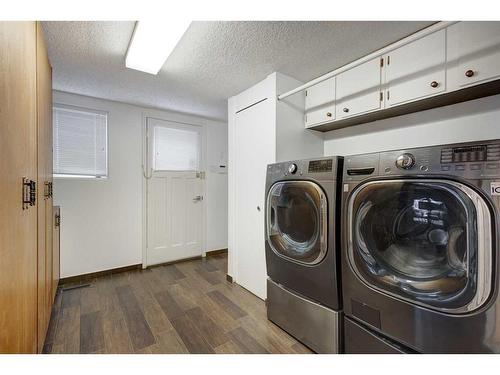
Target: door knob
[434, 84]
[469, 73]
[346, 110]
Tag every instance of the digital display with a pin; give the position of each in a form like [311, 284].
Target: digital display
[466, 154]
[321, 165]
[469, 154]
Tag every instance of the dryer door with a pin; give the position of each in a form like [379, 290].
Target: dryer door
[426, 241]
[297, 221]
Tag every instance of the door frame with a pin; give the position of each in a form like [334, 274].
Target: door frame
[179, 120]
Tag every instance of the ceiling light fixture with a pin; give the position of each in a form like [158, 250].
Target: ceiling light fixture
[152, 43]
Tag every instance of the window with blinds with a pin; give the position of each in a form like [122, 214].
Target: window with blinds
[80, 142]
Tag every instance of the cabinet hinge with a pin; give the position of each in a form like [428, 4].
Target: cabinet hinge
[388, 95]
[381, 96]
[381, 62]
[306, 92]
[388, 60]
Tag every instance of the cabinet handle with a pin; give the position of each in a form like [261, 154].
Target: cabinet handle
[346, 110]
[29, 193]
[434, 84]
[469, 73]
[258, 208]
[329, 114]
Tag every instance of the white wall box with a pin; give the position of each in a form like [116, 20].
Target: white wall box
[320, 102]
[447, 63]
[473, 53]
[417, 70]
[358, 89]
[261, 131]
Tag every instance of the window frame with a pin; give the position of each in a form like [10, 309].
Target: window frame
[76, 176]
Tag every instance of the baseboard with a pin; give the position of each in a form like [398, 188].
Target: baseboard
[216, 252]
[175, 261]
[92, 275]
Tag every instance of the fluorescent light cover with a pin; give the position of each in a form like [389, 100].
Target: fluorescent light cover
[152, 43]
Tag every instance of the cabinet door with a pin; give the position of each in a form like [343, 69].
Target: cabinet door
[320, 102]
[473, 53]
[254, 130]
[44, 130]
[416, 70]
[358, 90]
[18, 226]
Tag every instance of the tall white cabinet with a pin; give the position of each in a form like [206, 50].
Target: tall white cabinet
[261, 131]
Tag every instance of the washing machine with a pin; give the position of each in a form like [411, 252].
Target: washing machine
[302, 232]
[420, 250]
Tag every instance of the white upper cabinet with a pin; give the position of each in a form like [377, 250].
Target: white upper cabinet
[435, 64]
[473, 53]
[358, 89]
[416, 70]
[320, 102]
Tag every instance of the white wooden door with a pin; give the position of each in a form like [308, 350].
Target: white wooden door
[473, 52]
[320, 102]
[417, 70]
[358, 90]
[255, 148]
[174, 192]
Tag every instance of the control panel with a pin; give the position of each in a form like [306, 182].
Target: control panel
[320, 165]
[474, 160]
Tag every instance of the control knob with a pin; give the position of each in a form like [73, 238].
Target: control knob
[292, 169]
[405, 161]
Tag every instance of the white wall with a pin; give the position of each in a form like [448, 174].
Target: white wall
[101, 224]
[469, 121]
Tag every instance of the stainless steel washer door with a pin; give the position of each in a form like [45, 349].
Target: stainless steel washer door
[297, 217]
[425, 241]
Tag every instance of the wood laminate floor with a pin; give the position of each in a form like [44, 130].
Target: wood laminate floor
[188, 307]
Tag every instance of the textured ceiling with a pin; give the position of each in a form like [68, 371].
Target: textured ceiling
[213, 60]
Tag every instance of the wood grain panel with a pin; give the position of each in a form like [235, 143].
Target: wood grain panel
[18, 233]
[177, 308]
[232, 309]
[91, 333]
[210, 331]
[192, 338]
[246, 342]
[138, 327]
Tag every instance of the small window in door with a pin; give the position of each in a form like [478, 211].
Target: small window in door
[176, 149]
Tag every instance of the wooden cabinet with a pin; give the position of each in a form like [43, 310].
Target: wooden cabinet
[320, 102]
[18, 160]
[358, 89]
[25, 155]
[416, 70]
[45, 224]
[473, 53]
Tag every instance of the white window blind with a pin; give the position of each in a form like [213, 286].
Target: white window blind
[176, 149]
[80, 142]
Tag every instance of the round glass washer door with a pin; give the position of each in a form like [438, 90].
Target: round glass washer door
[428, 242]
[297, 218]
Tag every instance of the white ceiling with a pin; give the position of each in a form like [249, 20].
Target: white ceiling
[213, 60]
